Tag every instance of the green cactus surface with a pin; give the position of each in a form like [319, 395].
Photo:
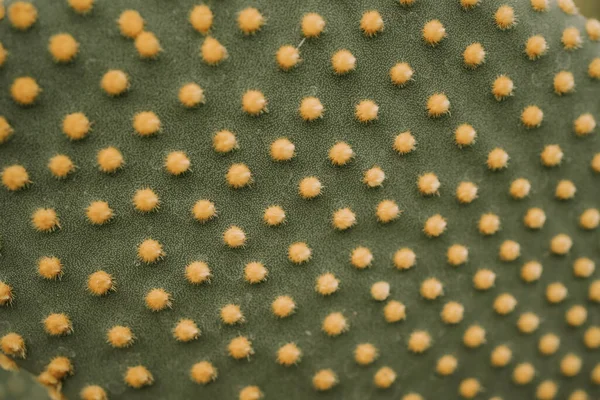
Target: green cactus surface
[452, 224]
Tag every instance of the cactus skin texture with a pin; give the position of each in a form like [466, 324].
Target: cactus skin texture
[426, 328]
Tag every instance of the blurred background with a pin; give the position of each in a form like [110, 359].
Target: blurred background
[589, 8]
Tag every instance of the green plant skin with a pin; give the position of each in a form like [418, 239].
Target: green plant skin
[85, 248]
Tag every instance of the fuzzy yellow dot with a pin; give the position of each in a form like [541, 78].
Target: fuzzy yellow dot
[384, 377]
[191, 95]
[505, 303]
[552, 155]
[387, 211]
[474, 336]
[6, 294]
[564, 83]
[274, 216]
[341, 153]
[556, 292]
[484, 279]
[404, 258]
[147, 45]
[366, 111]
[536, 47]
[45, 220]
[457, 255]
[234, 237]
[312, 25]
[150, 251]
[177, 163]
[433, 32]
[548, 344]
[109, 159]
[361, 257]
[287, 57]
[224, 141]
[93, 392]
[288, 354]
[146, 123]
[401, 74]
[158, 299]
[584, 124]
[212, 51]
[201, 18]
[255, 272]
[561, 244]
[139, 376]
[523, 373]
[374, 177]
[371, 23]
[503, 87]
[299, 253]
[438, 105]
[60, 166]
[465, 135]
[343, 218]
[404, 143]
[528, 322]
[540, 5]
[576, 315]
[63, 47]
[60, 367]
[186, 330]
[58, 325]
[311, 108]
[431, 289]
[335, 324]
[546, 390]
[589, 219]
[81, 7]
[570, 365]
[595, 163]
[22, 15]
[283, 306]
[419, 341]
[238, 176]
[324, 380]
[197, 272]
[519, 188]
[380, 290]
[583, 267]
[446, 365]
[469, 388]
[497, 159]
[466, 192]
[282, 149]
[131, 23]
[3, 53]
[428, 184]
[501, 356]
[254, 102]
[25, 90]
[394, 311]
[509, 251]
[250, 20]
[5, 129]
[145, 200]
[240, 347]
[15, 177]
[99, 212]
[50, 267]
[365, 353]
[435, 226]
[571, 38]
[452, 312]
[76, 126]
[203, 372]
[565, 190]
[343, 62]
[13, 344]
[592, 27]
[327, 284]
[474, 55]
[100, 283]
[251, 393]
[505, 17]
[120, 336]
[535, 218]
[591, 338]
